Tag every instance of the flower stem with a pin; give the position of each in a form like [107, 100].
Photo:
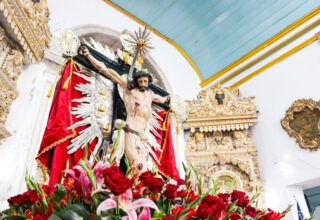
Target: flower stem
[169, 207]
[117, 201]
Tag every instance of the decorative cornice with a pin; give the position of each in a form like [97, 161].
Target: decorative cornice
[27, 25]
[220, 123]
[220, 109]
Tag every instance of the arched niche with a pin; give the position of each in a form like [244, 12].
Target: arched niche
[224, 179]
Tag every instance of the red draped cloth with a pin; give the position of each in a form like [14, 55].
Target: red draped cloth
[52, 155]
[167, 166]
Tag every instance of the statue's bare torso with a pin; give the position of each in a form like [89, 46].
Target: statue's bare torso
[138, 106]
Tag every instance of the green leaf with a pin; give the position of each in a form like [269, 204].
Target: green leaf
[254, 198]
[74, 212]
[27, 179]
[214, 188]
[260, 215]
[115, 144]
[232, 185]
[185, 168]
[15, 217]
[54, 217]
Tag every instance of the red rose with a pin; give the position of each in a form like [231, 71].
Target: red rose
[154, 184]
[149, 180]
[146, 175]
[171, 191]
[213, 201]
[48, 190]
[234, 216]
[28, 213]
[177, 210]
[192, 196]
[251, 211]
[118, 183]
[28, 198]
[110, 170]
[169, 217]
[224, 196]
[204, 210]
[40, 217]
[242, 198]
[181, 182]
[182, 193]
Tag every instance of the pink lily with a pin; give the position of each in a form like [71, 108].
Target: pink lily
[87, 179]
[129, 206]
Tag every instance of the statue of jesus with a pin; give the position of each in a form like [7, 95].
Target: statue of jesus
[137, 99]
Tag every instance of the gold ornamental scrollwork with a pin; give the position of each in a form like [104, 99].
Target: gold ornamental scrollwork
[302, 121]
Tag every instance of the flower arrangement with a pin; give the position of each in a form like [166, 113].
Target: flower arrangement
[101, 191]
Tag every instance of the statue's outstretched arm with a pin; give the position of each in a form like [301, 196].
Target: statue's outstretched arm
[159, 99]
[101, 67]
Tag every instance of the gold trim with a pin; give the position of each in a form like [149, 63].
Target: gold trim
[29, 23]
[263, 45]
[269, 52]
[159, 35]
[273, 62]
[23, 32]
[298, 106]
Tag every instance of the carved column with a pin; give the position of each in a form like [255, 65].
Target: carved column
[218, 142]
[24, 35]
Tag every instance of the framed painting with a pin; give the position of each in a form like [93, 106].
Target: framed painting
[302, 121]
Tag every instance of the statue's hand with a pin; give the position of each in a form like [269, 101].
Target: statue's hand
[168, 99]
[84, 51]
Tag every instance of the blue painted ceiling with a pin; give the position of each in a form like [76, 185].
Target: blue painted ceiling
[215, 33]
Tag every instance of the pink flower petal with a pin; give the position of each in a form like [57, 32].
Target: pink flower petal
[143, 203]
[145, 214]
[132, 215]
[105, 205]
[124, 201]
[128, 193]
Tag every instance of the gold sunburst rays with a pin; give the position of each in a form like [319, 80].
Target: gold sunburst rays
[137, 43]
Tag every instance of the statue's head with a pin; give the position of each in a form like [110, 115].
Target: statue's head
[141, 80]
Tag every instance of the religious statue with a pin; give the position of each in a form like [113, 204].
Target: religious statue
[137, 99]
[84, 109]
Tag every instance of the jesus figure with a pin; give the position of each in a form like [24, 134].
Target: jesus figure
[137, 99]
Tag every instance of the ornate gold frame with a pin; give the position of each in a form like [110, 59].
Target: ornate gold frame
[298, 106]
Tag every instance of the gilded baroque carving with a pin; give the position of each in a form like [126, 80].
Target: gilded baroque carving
[38, 13]
[302, 121]
[219, 144]
[28, 25]
[10, 68]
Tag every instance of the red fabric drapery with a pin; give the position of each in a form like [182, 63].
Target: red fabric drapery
[52, 155]
[167, 166]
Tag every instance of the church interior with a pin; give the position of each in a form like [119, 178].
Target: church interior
[236, 81]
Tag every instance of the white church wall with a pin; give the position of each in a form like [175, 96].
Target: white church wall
[17, 152]
[286, 169]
